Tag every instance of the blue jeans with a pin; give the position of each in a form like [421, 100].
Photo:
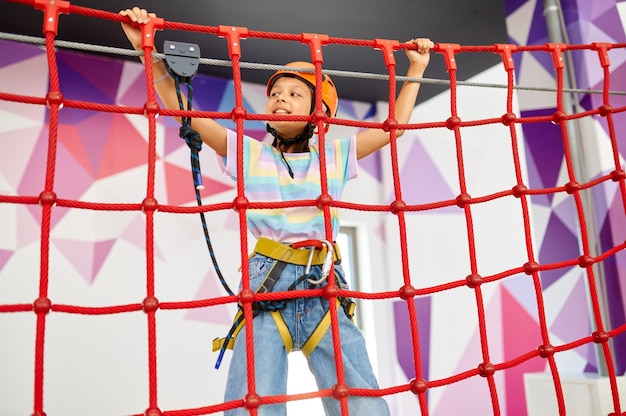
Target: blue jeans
[301, 317]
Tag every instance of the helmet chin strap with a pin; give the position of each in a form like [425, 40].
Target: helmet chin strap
[283, 144]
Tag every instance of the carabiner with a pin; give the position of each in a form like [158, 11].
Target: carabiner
[328, 261]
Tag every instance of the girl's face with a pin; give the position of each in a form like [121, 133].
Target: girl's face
[289, 96]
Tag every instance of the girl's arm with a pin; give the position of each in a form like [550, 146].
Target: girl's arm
[371, 140]
[212, 133]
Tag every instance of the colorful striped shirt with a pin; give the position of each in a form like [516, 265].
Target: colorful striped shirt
[267, 179]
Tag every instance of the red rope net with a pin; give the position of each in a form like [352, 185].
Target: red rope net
[47, 199]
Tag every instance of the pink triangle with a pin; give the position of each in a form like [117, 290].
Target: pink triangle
[173, 142]
[125, 148]
[180, 185]
[70, 138]
[80, 254]
[135, 234]
[232, 221]
[5, 255]
[215, 314]
[475, 387]
[86, 257]
[102, 249]
[28, 224]
[15, 159]
[521, 334]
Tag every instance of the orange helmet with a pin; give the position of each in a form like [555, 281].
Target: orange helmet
[329, 92]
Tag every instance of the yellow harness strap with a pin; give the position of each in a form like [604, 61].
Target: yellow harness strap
[285, 335]
[288, 254]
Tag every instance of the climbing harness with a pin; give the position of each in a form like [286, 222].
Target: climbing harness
[181, 62]
[305, 253]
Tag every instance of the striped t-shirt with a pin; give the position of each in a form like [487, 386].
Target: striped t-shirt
[267, 179]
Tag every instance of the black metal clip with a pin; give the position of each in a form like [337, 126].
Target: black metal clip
[182, 60]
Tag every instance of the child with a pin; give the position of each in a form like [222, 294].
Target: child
[289, 170]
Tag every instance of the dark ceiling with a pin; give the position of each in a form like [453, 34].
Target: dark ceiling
[465, 22]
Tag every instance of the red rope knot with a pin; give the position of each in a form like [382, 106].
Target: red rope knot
[600, 337]
[42, 306]
[153, 411]
[406, 292]
[318, 116]
[453, 122]
[150, 304]
[558, 117]
[324, 200]
[398, 206]
[462, 200]
[246, 296]
[486, 369]
[418, 386]
[54, 98]
[240, 203]
[519, 191]
[572, 187]
[151, 107]
[390, 124]
[473, 281]
[252, 401]
[39, 413]
[531, 267]
[51, 10]
[618, 175]
[149, 205]
[47, 198]
[330, 291]
[340, 391]
[238, 113]
[508, 118]
[605, 110]
[585, 261]
[546, 350]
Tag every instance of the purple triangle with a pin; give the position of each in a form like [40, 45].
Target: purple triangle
[404, 341]
[559, 244]
[544, 144]
[422, 183]
[13, 52]
[372, 165]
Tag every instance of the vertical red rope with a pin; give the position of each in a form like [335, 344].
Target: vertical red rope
[330, 292]
[47, 198]
[407, 291]
[233, 36]
[585, 261]
[150, 206]
[606, 110]
[486, 368]
[520, 191]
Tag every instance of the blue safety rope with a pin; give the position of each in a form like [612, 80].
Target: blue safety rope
[194, 142]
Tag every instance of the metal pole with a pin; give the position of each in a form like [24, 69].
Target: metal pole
[556, 33]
